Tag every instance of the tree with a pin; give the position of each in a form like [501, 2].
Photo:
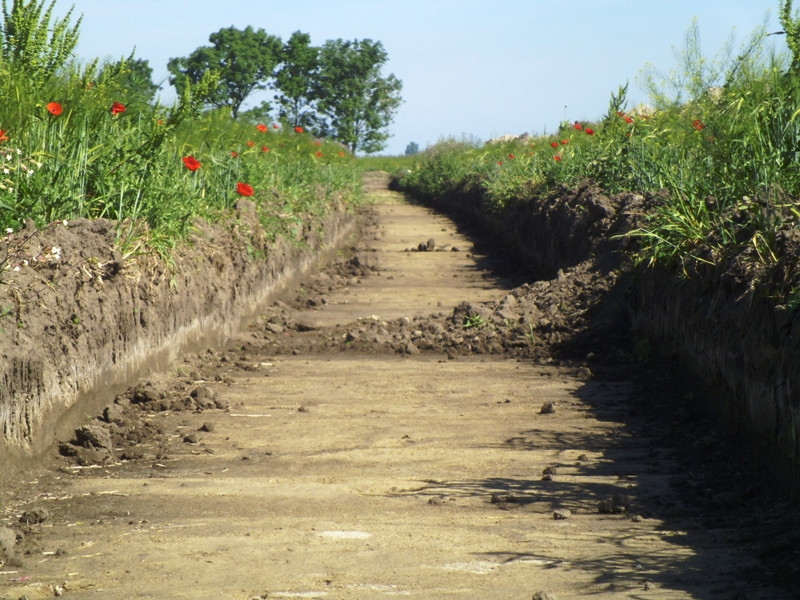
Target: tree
[351, 95]
[31, 46]
[133, 77]
[243, 59]
[412, 149]
[293, 81]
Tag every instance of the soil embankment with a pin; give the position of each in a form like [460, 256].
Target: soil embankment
[404, 423]
[80, 322]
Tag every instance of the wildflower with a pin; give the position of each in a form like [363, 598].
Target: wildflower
[628, 119]
[234, 153]
[3, 136]
[261, 127]
[276, 126]
[578, 126]
[191, 163]
[299, 129]
[264, 149]
[250, 143]
[9, 230]
[511, 156]
[341, 153]
[317, 143]
[500, 163]
[557, 157]
[319, 154]
[698, 125]
[243, 189]
[117, 108]
[554, 144]
[589, 131]
[564, 142]
[620, 113]
[54, 108]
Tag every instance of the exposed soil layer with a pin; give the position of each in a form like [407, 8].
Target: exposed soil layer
[733, 320]
[79, 321]
[407, 422]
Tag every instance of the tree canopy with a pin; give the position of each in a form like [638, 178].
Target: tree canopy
[357, 102]
[336, 90]
[244, 59]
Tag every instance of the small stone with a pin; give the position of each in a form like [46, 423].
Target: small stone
[114, 413]
[34, 516]
[544, 596]
[550, 470]
[583, 457]
[191, 438]
[274, 328]
[411, 348]
[562, 514]
[431, 244]
[547, 408]
[207, 426]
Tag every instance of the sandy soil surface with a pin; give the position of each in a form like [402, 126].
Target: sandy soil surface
[319, 455]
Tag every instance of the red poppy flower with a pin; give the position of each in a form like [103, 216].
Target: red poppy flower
[264, 149]
[243, 189]
[299, 129]
[554, 144]
[698, 124]
[117, 108]
[250, 143]
[500, 162]
[54, 108]
[3, 136]
[319, 154]
[234, 153]
[511, 156]
[589, 131]
[276, 126]
[578, 126]
[261, 127]
[191, 163]
[557, 158]
[564, 142]
[341, 153]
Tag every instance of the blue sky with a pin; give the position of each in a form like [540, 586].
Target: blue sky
[469, 67]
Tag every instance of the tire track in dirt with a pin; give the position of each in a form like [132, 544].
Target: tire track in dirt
[360, 475]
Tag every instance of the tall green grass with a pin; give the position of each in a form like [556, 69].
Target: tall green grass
[727, 148]
[127, 164]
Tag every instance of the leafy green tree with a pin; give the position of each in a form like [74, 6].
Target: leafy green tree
[355, 100]
[31, 47]
[244, 60]
[132, 78]
[293, 81]
[412, 149]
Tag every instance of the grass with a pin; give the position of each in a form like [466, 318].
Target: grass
[80, 147]
[725, 147]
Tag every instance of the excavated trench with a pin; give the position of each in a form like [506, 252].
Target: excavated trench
[406, 422]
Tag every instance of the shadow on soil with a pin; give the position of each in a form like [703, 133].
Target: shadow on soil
[661, 458]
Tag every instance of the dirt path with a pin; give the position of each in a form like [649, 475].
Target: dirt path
[349, 475]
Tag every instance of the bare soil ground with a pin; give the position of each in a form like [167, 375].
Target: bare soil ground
[407, 423]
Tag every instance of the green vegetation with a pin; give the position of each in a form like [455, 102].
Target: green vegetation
[88, 141]
[722, 138]
[335, 91]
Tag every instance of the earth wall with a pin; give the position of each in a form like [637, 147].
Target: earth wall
[81, 322]
[719, 321]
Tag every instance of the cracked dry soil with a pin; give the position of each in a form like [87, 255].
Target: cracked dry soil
[407, 423]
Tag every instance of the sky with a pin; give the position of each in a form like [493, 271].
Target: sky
[470, 68]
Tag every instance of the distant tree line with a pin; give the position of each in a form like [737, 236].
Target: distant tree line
[335, 90]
